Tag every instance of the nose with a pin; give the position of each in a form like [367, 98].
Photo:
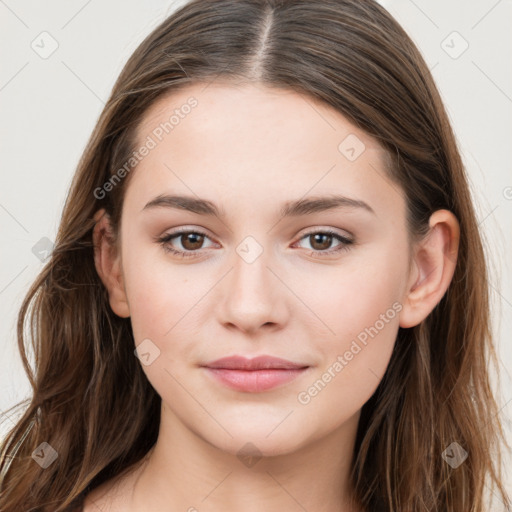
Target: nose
[252, 296]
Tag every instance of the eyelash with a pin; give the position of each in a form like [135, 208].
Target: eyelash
[164, 241]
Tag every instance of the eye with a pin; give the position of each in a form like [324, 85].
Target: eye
[190, 241]
[321, 240]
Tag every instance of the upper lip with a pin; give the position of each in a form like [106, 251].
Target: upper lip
[257, 363]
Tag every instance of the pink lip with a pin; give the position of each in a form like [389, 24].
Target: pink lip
[254, 375]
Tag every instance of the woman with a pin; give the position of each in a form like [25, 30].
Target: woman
[268, 289]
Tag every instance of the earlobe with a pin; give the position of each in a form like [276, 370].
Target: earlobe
[108, 264]
[435, 258]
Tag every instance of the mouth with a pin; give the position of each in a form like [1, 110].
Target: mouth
[254, 375]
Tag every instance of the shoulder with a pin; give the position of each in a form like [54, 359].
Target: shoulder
[113, 495]
[107, 497]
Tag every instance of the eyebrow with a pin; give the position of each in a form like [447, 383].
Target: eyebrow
[289, 209]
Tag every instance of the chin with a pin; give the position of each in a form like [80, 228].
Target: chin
[249, 441]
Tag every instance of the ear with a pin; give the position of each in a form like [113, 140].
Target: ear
[107, 259]
[433, 265]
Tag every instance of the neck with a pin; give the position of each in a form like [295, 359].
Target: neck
[185, 472]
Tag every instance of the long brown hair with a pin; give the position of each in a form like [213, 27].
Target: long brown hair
[93, 404]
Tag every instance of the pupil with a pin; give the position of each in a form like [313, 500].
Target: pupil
[327, 239]
[194, 239]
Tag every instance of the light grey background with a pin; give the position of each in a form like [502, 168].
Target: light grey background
[50, 102]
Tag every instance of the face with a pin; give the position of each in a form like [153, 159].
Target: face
[319, 286]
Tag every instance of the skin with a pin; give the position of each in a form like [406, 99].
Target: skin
[249, 149]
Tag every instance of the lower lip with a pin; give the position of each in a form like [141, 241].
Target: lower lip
[254, 381]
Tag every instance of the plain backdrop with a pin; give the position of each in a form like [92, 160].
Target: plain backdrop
[59, 60]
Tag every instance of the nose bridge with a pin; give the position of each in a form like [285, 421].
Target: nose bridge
[250, 275]
[251, 293]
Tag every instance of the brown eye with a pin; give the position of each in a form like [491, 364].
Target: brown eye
[191, 241]
[320, 241]
[188, 243]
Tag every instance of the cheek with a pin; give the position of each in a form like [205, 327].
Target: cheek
[150, 305]
[363, 311]
[355, 295]
[374, 297]
[355, 360]
[159, 292]
[162, 311]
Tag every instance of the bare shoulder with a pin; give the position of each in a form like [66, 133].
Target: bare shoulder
[113, 495]
[105, 498]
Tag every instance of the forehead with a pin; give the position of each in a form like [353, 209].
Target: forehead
[252, 141]
[254, 109]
